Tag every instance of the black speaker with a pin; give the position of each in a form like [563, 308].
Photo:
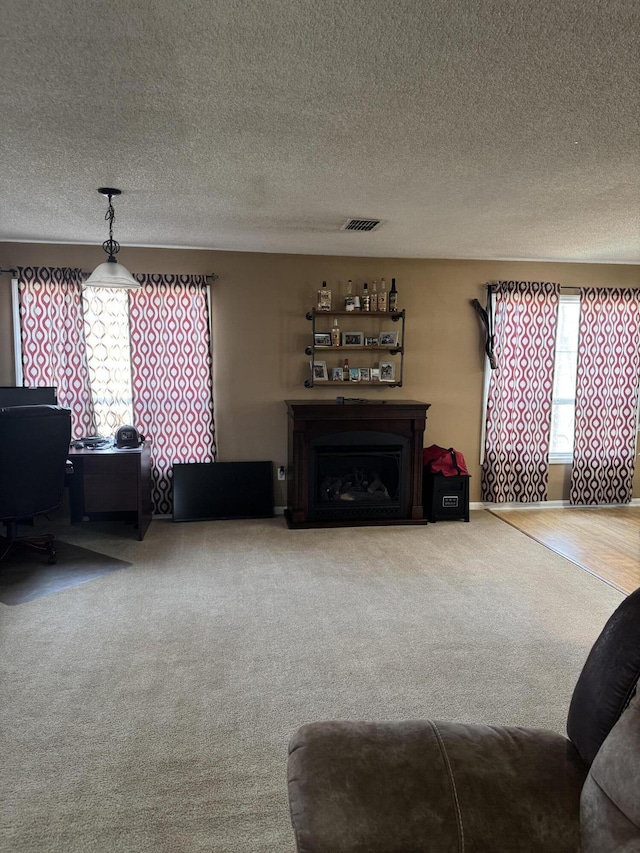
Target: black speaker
[217, 490]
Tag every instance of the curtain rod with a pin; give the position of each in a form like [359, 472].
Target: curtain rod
[492, 285]
[14, 273]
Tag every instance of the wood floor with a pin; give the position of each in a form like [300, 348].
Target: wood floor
[604, 542]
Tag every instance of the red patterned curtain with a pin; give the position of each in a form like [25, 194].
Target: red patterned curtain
[53, 344]
[606, 396]
[516, 463]
[171, 373]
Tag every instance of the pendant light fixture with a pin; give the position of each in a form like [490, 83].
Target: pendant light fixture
[111, 273]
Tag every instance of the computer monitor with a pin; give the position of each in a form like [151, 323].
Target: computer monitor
[11, 395]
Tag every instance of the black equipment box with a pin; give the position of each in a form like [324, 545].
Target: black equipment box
[445, 497]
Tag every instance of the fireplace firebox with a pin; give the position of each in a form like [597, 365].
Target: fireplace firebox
[357, 475]
[355, 463]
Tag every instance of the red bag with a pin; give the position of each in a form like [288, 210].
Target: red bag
[445, 461]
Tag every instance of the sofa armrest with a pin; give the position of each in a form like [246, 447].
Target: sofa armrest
[427, 787]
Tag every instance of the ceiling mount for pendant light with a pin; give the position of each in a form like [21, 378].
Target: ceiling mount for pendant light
[111, 273]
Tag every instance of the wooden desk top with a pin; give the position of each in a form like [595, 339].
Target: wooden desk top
[106, 451]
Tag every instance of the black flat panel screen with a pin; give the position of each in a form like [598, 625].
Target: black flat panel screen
[18, 396]
[216, 490]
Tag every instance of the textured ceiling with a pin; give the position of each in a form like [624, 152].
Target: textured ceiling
[472, 128]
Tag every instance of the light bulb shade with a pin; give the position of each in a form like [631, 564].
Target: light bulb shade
[112, 274]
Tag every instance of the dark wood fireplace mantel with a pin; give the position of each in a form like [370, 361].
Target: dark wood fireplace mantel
[372, 422]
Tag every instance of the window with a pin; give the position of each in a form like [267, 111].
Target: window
[106, 329]
[141, 357]
[564, 380]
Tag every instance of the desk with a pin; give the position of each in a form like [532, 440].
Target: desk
[111, 484]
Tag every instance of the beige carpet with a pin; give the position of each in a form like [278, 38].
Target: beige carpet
[149, 710]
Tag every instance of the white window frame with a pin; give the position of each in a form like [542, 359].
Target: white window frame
[563, 458]
[17, 335]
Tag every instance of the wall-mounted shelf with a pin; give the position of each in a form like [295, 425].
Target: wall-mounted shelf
[371, 324]
[387, 315]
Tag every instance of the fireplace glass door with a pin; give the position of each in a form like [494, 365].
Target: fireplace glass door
[358, 475]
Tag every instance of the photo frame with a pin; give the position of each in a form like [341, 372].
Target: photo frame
[337, 374]
[354, 374]
[388, 339]
[352, 339]
[387, 371]
[320, 371]
[365, 374]
[371, 342]
[375, 374]
[322, 339]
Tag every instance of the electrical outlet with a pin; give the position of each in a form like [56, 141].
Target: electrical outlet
[282, 472]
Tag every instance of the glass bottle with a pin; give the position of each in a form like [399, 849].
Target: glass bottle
[335, 333]
[356, 299]
[382, 296]
[324, 298]
[345, 371]
[349, 302]
[374, 296]
[393, 296]
[366, 299]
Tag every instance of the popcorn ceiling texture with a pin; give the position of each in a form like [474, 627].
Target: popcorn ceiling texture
[499, 129]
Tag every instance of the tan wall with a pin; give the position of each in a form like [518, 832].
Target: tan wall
[259, 333]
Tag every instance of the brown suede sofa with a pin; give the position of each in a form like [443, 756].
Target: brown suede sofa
[436, 787]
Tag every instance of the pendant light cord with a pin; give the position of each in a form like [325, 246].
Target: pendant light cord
[111, 246]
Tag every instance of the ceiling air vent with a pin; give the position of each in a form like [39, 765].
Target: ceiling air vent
[361, 224]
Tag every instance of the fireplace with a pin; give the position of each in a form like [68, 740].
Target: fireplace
[355, 463]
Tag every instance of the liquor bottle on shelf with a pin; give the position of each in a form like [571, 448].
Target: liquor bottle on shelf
[335, 333]
[374, 296]
[324, 298]
[366, 299]
[382, 296]
[345, 370]
[393, 296]
[357, 304]
[349, 301]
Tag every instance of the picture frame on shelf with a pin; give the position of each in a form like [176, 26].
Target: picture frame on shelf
[371, 342]
[354, 374]
[387, 371]
[375, 374]
[322, 339]
[388, 339]
[320, 371]
[365, 374]
[337, 374]
[352, 339]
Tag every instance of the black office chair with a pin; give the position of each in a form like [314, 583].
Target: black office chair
[34, 443]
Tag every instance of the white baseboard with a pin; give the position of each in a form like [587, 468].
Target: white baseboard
[552, 505]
